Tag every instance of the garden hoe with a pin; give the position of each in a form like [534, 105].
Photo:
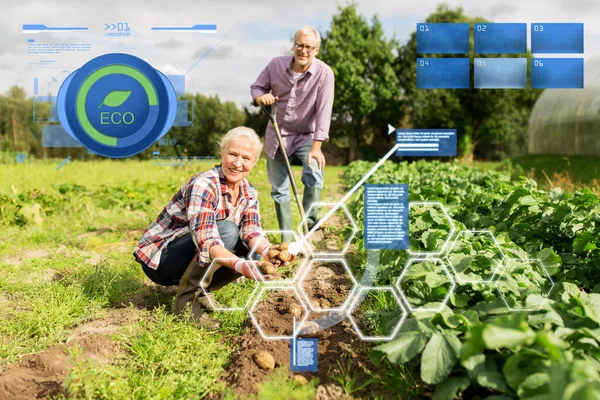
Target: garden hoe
[273, 117]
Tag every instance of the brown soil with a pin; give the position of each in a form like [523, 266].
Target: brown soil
[325, 240]
[337, 344]
[273, 313]
[329, 281]
[23, 256]
[42, 375]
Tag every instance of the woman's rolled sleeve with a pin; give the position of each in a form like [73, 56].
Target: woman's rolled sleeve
[201, 202]
[250, 223]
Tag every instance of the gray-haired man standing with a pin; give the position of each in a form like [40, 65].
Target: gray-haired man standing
[303, 86]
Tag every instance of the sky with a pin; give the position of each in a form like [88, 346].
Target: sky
[249, 34]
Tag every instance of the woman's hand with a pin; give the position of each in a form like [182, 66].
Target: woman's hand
[274, 260]
[249, 269]
[265, 255]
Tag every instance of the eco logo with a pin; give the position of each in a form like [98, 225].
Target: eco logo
[117, 105]
[115, 99]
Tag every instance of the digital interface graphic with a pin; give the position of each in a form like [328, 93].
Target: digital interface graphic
[497, 39]
[117, 105]
[118, 111]
[435, 233]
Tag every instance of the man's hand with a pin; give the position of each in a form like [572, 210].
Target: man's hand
[266, 99]
[317, 154]
[249, 269]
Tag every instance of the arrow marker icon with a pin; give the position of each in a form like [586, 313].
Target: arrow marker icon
[390, 129]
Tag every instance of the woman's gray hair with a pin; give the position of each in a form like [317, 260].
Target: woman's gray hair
[308, 30]
[242, 132]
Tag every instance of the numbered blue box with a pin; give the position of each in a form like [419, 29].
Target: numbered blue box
[557, 73]
[500, 38]
[500, 73]
[443, 38]
[443, 73]
[557, 38]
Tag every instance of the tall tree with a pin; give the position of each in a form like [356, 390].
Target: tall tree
[367, 91]
[491, 123]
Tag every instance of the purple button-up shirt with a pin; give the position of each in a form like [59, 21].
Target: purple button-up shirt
[304, 106]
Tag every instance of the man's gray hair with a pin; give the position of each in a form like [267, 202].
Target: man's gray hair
[242, 132]
[308, 30]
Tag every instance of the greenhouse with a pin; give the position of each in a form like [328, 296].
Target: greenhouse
[567, 121]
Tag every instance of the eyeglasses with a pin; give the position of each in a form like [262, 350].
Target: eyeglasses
[300, 47]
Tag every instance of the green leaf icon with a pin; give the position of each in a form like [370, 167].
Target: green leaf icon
[116, 98]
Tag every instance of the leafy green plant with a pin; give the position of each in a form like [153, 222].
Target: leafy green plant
[476, 345]
[429, 229]
[278, 386]
[350, 379]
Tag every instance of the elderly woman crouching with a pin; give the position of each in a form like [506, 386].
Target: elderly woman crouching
[214, 215]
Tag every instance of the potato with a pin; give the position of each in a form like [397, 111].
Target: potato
[325, 303]
[267, 268]
[271, 254]
[284, 256]
[261, 262]
[300, 380]
[309, 328]
[284, 246]
[315, 304]
[264, 360]
[295, 310]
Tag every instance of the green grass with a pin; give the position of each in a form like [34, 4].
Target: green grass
[360, 382]
[41, 315]
[70, 262]
[350, 379]
[580, 169]
[46, 298]
[120, 195]
[42, 174]
[166, 358]
[400, 379]
[279, 387]
[381, 313]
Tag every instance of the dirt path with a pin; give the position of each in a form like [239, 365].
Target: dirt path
[42, 375]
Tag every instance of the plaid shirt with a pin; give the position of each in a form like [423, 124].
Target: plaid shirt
[202, 201]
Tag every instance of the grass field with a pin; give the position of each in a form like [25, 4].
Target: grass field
[80, 319]
[68, 269]
[569, 173]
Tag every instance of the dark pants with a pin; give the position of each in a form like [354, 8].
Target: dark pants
[178, 254]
